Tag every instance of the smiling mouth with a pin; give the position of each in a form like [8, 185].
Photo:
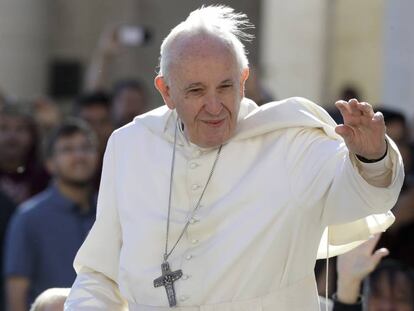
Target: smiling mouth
[214, 123]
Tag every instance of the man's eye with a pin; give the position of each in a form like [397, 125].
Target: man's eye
[225, 86]
[194, 91]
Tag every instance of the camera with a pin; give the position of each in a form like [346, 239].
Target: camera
[131, 35]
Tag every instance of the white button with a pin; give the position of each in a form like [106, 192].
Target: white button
[195, 241]
[195, 187]
[185, 277]
[189, 257]
[193, 165]
[197, 153]
[183, 298]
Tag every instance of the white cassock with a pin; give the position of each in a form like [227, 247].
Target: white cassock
[252, 245]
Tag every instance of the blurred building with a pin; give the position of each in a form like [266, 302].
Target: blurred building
[316, 48]
[46, 44]
[311, 48]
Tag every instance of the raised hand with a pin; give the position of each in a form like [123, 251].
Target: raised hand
[363, 130]
[109, 44]
[354, 266]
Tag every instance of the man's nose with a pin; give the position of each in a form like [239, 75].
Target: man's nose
[213, 104]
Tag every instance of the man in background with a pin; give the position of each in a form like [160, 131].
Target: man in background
[95, 109]
[129, 95]
[46, 232]
[129, 100]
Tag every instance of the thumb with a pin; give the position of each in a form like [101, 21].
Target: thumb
[343, 131]
[377, 256]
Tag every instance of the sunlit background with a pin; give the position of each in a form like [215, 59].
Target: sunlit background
[311, 48]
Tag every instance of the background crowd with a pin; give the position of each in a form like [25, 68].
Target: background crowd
[50, 161]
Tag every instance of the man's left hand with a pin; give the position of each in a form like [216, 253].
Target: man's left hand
[363, 130]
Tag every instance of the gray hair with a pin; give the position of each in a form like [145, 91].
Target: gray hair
[218, 21]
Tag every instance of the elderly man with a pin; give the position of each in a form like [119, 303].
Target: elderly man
[211, 203]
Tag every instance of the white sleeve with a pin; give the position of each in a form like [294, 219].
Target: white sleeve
[97, 261]
[379, 173]
[322, 170]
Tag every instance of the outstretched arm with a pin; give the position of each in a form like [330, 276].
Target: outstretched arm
[97, 75]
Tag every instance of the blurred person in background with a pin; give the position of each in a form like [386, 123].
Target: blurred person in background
[21, 173]
[398, 130]
[7, 207]
[399, 238]
[390, 287]
[129, 96]
[46, 114]
[367, 282]
[255, 90]
[128, 101]
[95, 109]
[51, 299]
[350, 91]
[47, 230]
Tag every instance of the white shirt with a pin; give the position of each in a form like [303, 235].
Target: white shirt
[252, 245]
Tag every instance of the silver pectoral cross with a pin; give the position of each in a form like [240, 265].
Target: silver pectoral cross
[167, 280]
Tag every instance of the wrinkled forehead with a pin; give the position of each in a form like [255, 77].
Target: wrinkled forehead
[201, 46]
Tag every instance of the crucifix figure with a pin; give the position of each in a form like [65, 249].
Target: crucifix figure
[167, 279]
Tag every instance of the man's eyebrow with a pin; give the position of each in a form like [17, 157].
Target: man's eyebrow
[226, 81]
[192, 85]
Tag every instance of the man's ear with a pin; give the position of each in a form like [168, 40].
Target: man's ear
[243, 78]
[163, 88]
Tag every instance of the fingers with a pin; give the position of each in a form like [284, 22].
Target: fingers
[344, 130]
[343, 107]
[354, 108]
[378, 117]
[350, 108]
[366, 109]
[354, 105]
